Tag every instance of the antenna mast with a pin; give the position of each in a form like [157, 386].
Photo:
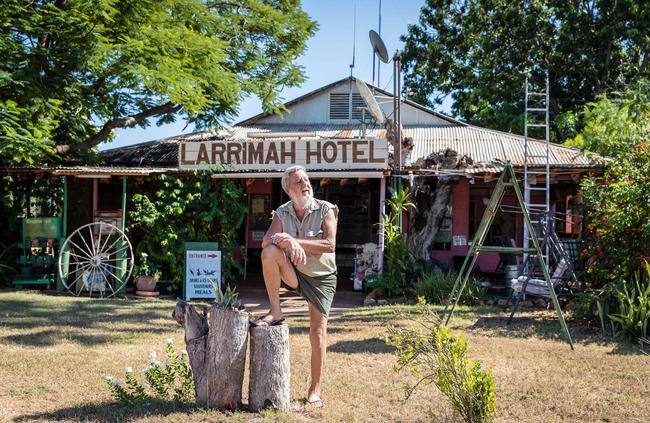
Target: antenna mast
[354, 41]
[373, 57]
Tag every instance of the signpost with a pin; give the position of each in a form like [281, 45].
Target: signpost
[202, 268]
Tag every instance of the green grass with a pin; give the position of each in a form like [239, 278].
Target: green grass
[57, 350]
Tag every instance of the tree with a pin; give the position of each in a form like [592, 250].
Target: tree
[74, 70]
[618, 204]
[479, 52]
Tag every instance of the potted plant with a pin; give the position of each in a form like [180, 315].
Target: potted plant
[146, 274]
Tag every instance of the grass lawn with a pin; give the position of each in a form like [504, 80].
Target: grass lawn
[57, 350]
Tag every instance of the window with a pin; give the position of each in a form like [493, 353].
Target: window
[340, 106]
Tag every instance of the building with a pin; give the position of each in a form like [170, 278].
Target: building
[347, 154]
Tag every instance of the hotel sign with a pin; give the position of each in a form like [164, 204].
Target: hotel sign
[256, 155]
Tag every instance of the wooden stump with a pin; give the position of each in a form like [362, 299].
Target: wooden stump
[227, 344]
[196, 344]
[270, 370]
[216, 346]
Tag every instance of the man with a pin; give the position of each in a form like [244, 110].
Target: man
[298, 249]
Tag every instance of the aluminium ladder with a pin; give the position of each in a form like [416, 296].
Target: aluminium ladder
[536, 127]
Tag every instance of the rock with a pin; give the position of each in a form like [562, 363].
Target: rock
[502, 303]
[382, 302]
[526, 304]
[480, 302]
[570, 306]
[540, 303]
[489, 302]
[369, 302]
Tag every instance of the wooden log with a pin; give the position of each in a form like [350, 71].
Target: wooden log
[270, 369]
[227, 344]
[196, 344]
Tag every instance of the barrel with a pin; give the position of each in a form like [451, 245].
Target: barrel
[512, 272]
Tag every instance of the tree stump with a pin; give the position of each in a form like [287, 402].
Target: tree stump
[196, 344]
[227, 344]
[270, 370]
[216, 346]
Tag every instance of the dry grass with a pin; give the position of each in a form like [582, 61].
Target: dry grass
[56, 351]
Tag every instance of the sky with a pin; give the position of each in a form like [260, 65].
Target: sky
[327, 58]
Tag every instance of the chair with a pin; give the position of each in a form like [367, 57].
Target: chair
[538, 287]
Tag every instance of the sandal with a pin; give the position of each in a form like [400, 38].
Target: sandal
[261, 322]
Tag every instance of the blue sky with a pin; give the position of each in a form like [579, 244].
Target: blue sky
[328, 55]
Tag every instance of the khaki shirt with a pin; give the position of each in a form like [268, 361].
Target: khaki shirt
[311, 227]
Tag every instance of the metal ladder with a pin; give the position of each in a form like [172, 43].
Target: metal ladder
[536, 126]
[506, 180]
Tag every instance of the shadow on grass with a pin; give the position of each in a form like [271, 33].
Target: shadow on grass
[370, 345]
[545, 325]
[49, 320]
[110, 412]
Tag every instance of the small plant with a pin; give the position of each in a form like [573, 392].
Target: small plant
[399, 260]
[436, 355]
[170, 380]
[436, 287]
[225, 298]
[622, 306]
[146, 267]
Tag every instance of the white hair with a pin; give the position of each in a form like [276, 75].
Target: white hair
[288, 172]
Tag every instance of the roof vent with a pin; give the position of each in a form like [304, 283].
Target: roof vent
[340, 106]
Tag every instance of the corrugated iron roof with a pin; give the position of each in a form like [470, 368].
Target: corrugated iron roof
[487, 148]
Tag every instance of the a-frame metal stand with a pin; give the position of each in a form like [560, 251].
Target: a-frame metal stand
[507, 179]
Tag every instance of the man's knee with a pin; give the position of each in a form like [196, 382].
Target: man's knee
[318, 332]
[271, 253]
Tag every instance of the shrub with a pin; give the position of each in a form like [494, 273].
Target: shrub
[436, 287]
[398, 259]
[623, 306]
[193, 208]
[169, 380]
[437, 356]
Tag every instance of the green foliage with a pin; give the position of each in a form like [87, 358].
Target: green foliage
[398, 259]
[616, 205]
[72, 71]
[195, 208]
[479, 52]
[171, 380]
[436, 287]
[227, 297]
[622, 306]
[145, 268]
[435, 355]
[26, 137]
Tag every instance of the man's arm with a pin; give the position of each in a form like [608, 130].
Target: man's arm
[316, 246]
[275, 228]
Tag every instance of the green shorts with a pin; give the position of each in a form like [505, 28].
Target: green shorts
[317, 290]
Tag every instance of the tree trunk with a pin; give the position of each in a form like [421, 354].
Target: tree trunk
[270, 369]
[227, 343]
[431, 203]
[431, 207]
[217, 353]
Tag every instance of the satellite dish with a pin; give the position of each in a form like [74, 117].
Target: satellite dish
[378, 46]
[367, 96]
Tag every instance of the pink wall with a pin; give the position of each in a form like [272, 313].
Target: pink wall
[460, 223]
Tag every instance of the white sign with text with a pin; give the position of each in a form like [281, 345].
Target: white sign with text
[202, 268]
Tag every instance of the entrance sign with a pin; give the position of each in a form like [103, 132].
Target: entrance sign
[279, 154]
[202, 266]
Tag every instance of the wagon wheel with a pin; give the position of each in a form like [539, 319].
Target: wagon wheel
[96, 258]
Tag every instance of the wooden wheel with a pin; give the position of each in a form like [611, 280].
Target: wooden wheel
[97, 258]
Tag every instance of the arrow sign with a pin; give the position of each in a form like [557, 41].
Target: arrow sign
[212, 256]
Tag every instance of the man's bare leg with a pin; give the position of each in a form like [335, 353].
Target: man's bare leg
[318, 340]
[276, 268]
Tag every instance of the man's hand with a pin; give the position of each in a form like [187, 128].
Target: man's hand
[296, 253]
[281, 239]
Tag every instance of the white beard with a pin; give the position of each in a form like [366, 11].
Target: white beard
[303, 202]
